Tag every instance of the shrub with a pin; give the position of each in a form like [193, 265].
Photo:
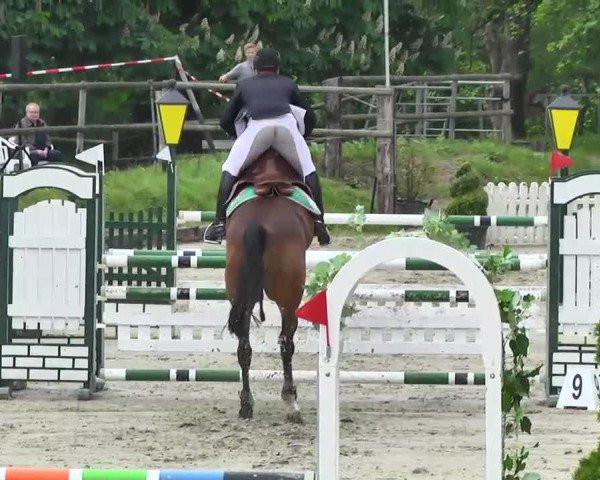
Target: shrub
[468, 196]
[589, 467]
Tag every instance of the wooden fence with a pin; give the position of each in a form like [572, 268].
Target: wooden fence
[421, 106]
[385, 169]
[389, 114]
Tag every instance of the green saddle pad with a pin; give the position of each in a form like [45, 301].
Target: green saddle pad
[298, 196]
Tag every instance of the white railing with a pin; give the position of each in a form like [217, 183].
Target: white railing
[523, 199]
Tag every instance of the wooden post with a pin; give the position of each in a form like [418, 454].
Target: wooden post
[481, 125]
[506, 119]
[333, 119]
[196, 109]
[115, 147]
[372, 106]
[597, 113]
[452, 109]
[418, 110]
[81, 120]
[386, 155]
[155, 149]
[160, 138]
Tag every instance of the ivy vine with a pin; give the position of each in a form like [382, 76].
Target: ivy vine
[517, 376]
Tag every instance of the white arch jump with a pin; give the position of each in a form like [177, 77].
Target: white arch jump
[343, 286]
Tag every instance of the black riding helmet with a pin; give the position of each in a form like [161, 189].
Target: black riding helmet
[267, 59]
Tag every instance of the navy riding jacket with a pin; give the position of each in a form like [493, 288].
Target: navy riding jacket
[266, 95]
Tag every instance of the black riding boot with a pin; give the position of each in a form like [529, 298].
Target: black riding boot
[321, 232]
[215, 232]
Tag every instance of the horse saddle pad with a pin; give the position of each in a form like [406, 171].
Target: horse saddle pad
[297, 195]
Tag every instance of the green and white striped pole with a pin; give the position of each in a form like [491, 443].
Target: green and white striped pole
[407, 220]
[304, 376]
[156, 294]
[516, 263]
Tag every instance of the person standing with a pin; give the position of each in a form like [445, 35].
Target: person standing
[244, 69]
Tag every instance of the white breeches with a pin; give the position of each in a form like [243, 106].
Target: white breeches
[280, 133]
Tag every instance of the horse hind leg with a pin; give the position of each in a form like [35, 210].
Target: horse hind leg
[245, 359]
[244, 354]
[289, 393]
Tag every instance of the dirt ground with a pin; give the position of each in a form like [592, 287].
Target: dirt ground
[387, 432]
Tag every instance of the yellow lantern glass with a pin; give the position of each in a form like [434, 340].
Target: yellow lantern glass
[563, 113]
[172, 109]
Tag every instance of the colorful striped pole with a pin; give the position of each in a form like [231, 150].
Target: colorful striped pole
[46, 473]
[408, 220]
[390, 294]
[304, 376]
[516, 263]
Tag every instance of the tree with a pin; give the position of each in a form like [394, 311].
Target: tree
[565, 36]
[502, 28]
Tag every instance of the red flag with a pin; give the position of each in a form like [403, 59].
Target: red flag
[559, 160]
[315, 310]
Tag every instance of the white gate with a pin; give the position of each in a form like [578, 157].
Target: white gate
[48, 245]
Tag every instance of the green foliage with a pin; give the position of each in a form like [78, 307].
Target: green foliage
[472, 203]
[465, 184]
[322, 275]
[142, 187]
[517, 378]
[497, 265]
[358, 218]
[415, 172]
[438, 228]
[468, 196]
[589, 466]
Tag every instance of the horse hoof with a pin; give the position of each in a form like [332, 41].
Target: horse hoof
[295, 417]
[246, 412]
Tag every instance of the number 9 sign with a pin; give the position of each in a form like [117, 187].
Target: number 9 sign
[581, 388]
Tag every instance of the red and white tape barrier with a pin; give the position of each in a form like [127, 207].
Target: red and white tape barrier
[179, 67]
[83, 68]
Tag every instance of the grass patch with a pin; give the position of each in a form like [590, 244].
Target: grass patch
[143, 187]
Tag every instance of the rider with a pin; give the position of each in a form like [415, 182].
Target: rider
[266, 98]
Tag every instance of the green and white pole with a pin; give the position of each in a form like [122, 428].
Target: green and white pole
[303, 376]
[515, 263]
[365, 294]
[407, 220]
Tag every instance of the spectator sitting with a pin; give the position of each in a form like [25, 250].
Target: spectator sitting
[244, 69]
[40, 148]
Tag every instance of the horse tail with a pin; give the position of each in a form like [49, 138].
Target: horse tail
[250, 282]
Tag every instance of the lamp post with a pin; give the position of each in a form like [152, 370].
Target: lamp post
[172, 109]
[563, 114]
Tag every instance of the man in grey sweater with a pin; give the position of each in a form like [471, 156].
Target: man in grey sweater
[244, 69]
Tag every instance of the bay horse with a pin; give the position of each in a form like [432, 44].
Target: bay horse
[267, 238]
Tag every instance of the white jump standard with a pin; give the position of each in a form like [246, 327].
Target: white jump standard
[341, 288]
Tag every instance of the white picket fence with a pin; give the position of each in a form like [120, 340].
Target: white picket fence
[525, 199]
[512, 199]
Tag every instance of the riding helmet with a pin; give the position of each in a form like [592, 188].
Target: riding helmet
[267, 58]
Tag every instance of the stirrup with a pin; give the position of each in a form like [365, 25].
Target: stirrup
[215, 233]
